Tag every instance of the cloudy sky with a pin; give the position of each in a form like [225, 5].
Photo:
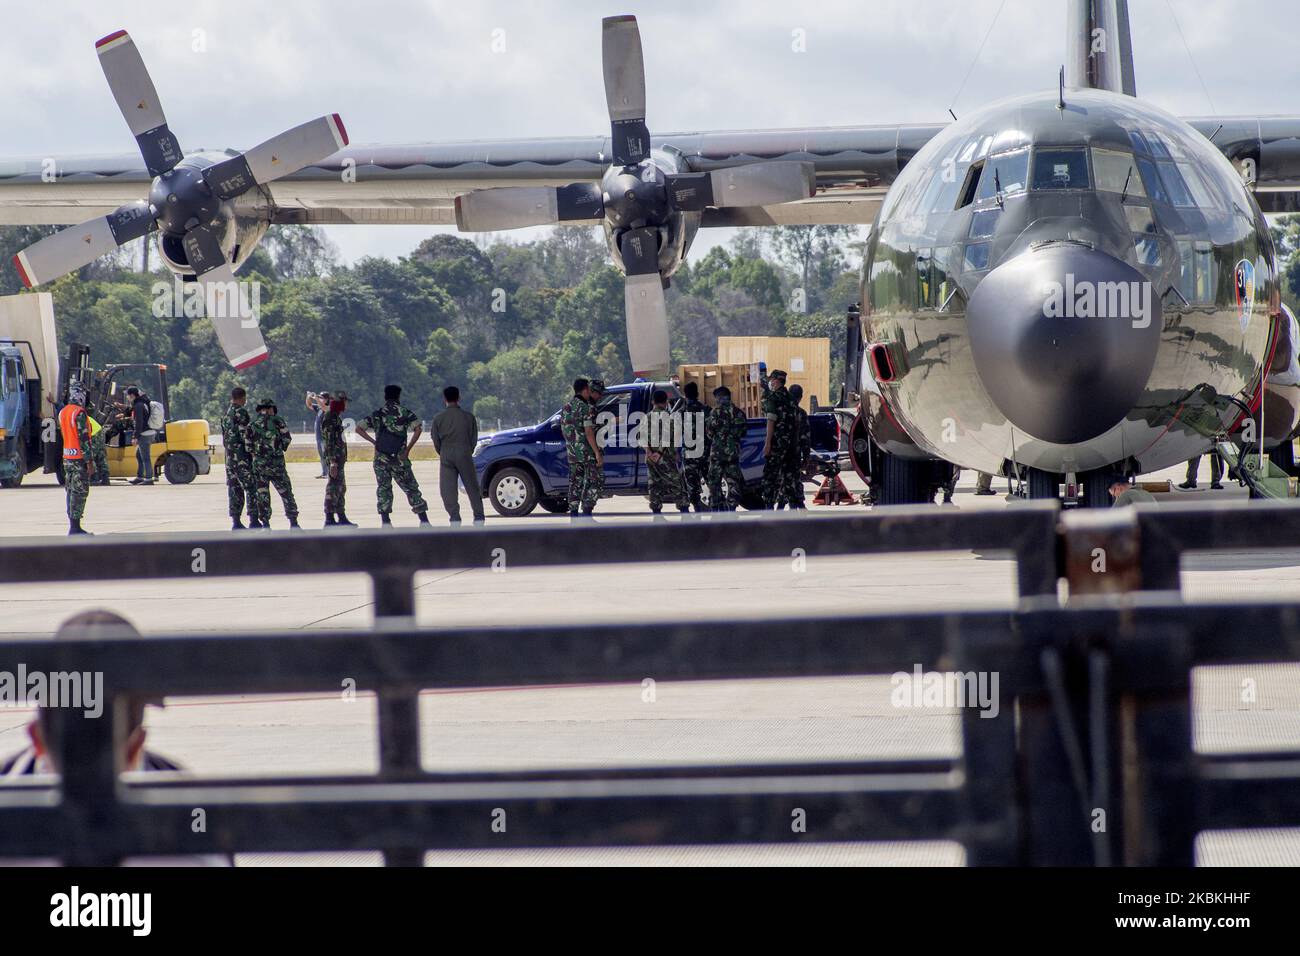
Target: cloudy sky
[234, 72]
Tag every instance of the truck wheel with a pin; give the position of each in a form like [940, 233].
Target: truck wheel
[21, 463]
[513, 492]
[180, 468]
[556, 506]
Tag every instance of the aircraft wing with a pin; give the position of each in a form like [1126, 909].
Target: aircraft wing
[419, 183]
[1266, 150]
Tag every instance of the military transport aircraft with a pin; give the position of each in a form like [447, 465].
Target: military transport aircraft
[1068, 282]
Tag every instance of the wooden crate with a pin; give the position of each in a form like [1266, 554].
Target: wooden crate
[807, 362]
[743, 380]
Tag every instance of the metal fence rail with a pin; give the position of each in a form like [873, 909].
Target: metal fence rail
[1094, 701]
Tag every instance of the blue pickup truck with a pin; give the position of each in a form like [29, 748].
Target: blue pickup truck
[522, 468]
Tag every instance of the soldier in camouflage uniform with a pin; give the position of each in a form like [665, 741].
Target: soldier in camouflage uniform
[578, 427]
[695, 468]
[725, 429]
[661, 456]
[334, 449]
[241, 490]
[268, 440]
[799, 452]
[392, 454]
[781, 423]
[593, 488]
[74, 429]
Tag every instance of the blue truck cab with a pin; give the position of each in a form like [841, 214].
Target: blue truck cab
[520, 469]
[20, 413]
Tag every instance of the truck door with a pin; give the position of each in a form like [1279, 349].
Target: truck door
[621, 458]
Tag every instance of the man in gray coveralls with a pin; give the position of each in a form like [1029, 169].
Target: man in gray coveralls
[455, 432]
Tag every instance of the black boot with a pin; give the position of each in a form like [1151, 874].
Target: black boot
[424, 517]
[236, 524]
[343, 521]
[293, 524]
[385, 520]
[74, 527]
[253, 522]
[329, 519]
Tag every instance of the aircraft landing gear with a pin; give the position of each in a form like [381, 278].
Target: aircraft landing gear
[1096, 489]
[907, 482]
[1043, 485]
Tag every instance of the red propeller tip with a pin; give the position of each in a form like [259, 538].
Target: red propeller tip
[255, 360]
[22, 273]
[110, 38]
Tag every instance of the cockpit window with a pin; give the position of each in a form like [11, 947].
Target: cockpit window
[1155, 188]
[1007, 172]
[1116, 172]
[1061, 169]
[1174, 184]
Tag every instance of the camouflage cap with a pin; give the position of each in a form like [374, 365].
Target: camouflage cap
[776, 373]
[77, 394]
[266, 403]
[597, 385]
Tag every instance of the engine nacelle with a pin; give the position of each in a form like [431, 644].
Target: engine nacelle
[636, 196]
[240, 238]
[182, 199]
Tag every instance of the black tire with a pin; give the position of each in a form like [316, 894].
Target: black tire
[906, 482]
[1096, 489]
[1043, 485]
[1284, 457]
[180, 468]
[556, 506]
[17, 479]
[513, 492]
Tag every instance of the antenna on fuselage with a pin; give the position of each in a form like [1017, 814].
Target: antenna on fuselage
[1060, 90]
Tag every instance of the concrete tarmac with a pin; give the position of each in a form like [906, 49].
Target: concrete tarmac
[702, 722]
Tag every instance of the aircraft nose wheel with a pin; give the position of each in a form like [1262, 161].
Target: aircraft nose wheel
[1096, 489]
[1043, 485]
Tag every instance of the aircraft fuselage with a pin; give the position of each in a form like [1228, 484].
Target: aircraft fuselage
[1067, 289]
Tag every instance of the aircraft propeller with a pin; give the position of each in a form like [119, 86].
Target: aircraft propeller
[635, 197]
[185, 199]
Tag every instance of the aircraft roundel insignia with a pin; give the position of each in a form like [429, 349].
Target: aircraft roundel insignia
[1244, 280]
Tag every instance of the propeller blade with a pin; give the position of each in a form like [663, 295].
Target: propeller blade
[138, 100]
[77, 246]
[757, 184]
[278, 156]
[624, 69]
[225, 301]
[643, 299]
[514, 207]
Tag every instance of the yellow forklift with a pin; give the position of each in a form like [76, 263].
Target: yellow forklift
[182, 450]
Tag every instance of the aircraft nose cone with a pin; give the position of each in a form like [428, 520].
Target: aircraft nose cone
[1064, 339]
